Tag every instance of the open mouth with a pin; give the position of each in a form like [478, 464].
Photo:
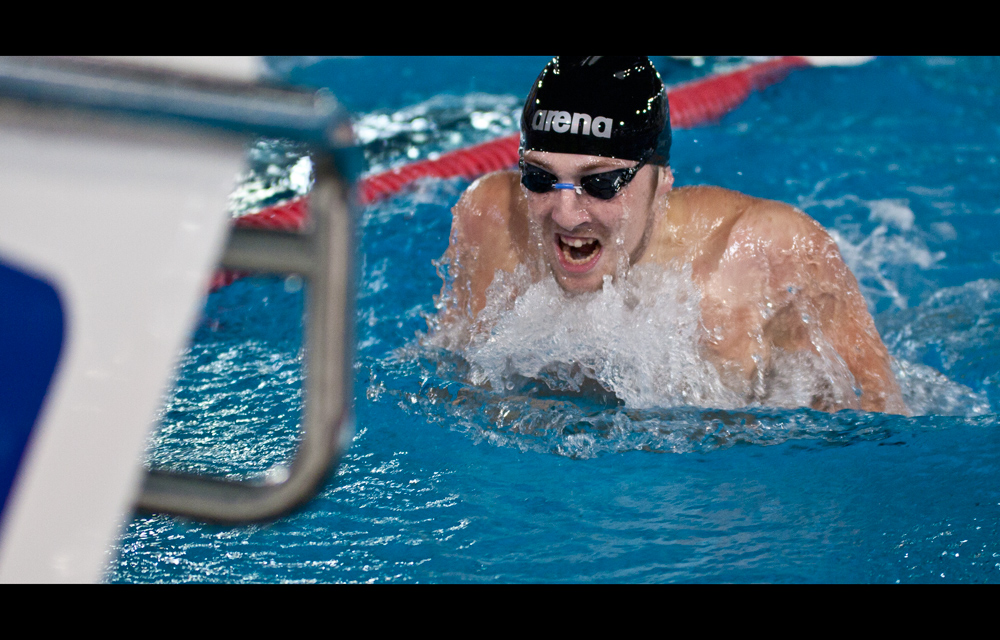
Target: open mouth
[577, 254]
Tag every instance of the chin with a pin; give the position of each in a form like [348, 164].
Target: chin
[587, 283]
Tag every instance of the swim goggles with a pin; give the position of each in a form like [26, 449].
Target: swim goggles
[599, 185]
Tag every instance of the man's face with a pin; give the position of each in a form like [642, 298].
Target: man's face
[584, 238]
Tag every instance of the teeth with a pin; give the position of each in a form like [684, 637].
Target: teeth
[578, 242]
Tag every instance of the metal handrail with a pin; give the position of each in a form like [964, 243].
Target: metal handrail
[323, 256]
[314, 117]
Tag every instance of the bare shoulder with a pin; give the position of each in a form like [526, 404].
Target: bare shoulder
[775, 227]
[782, 225]
[712, 226]
[499, 184]
[796, 247]
[486, 206]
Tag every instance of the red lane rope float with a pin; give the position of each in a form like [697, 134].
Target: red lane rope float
[467, 163]
[286, 216]
[691, 104]
[708, 99]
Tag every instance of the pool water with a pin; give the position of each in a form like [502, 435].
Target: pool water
[448, 481]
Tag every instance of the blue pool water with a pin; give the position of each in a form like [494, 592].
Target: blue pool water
[449, 482]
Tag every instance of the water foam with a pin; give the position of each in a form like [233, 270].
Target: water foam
[950, 335]
[440, 124]
[638, 338]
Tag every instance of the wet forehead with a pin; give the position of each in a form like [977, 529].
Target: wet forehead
[571, 162]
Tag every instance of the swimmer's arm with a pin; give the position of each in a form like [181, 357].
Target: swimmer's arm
[807, 265]
[478, 245]
[454, 294]
[850, 329]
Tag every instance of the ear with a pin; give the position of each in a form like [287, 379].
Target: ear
[665, 181]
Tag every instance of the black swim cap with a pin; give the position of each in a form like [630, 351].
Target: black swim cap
[609, 106]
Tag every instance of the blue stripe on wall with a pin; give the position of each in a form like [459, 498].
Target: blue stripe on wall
[32, 327]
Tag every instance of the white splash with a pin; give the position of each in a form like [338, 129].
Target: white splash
[638, 338]
[892, 212]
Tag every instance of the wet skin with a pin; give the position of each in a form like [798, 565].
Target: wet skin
[771, 278]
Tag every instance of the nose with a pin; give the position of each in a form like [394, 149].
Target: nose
[568, 210]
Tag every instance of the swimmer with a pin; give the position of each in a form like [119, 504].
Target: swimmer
[593, 197]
